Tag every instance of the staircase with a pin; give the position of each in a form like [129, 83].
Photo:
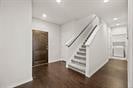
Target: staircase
[80, 48]
[78, 63]
[78, 57]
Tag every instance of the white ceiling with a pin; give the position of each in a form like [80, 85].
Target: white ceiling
[69, 10]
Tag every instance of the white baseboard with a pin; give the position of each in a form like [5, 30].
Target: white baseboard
[118, 58]
[62, 59]
[53, 60]
[97, 69]
[20, 83]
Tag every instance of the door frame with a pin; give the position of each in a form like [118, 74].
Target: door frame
[130, 44]
[32, 42]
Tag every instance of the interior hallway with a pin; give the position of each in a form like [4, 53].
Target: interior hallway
[56, 75]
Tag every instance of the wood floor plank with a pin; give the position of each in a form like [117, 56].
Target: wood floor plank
[55, 75]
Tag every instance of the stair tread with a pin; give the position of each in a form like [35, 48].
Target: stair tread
[82, 49]
[84, 45]
[77, 67]
[79, 61]
[81, 53]
[82, 72]
[80, 56]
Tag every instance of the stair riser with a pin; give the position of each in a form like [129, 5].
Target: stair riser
[84, 54]
[76, 57]
[84, 50]
[76, 69]
[83, 46]
[80, 63]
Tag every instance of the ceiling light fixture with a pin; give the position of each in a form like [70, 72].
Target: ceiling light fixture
[117, 24]
[58, 1]
[115, 18]
[44, 15]
[105, 1]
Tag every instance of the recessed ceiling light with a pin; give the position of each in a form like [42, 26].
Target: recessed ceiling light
[105, 1]
[44, 15]
[115, 18]
[58, 1]
[117, 24]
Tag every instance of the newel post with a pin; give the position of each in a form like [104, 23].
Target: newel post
[67, 54]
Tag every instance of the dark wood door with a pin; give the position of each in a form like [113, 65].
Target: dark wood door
[40, 47]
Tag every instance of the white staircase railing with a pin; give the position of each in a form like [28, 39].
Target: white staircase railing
[70, 42]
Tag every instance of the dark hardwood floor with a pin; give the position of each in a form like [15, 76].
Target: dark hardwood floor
[55, 75]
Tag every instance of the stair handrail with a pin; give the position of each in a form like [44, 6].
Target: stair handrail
[71, 41]
[93, 34]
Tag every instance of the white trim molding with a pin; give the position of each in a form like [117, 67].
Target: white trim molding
[130, 43]
[53, 60]
[118, 58]
[20, 83]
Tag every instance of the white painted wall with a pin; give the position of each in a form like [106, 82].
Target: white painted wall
[97, 51]
[70, 30]
[15, 42]
[130, 44]
[53, 38]
[109, 43]
[67, 31]
[119, 30]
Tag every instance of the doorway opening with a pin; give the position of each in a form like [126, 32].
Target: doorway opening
[119, 42]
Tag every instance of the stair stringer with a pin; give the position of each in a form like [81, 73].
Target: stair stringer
[88, 43]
